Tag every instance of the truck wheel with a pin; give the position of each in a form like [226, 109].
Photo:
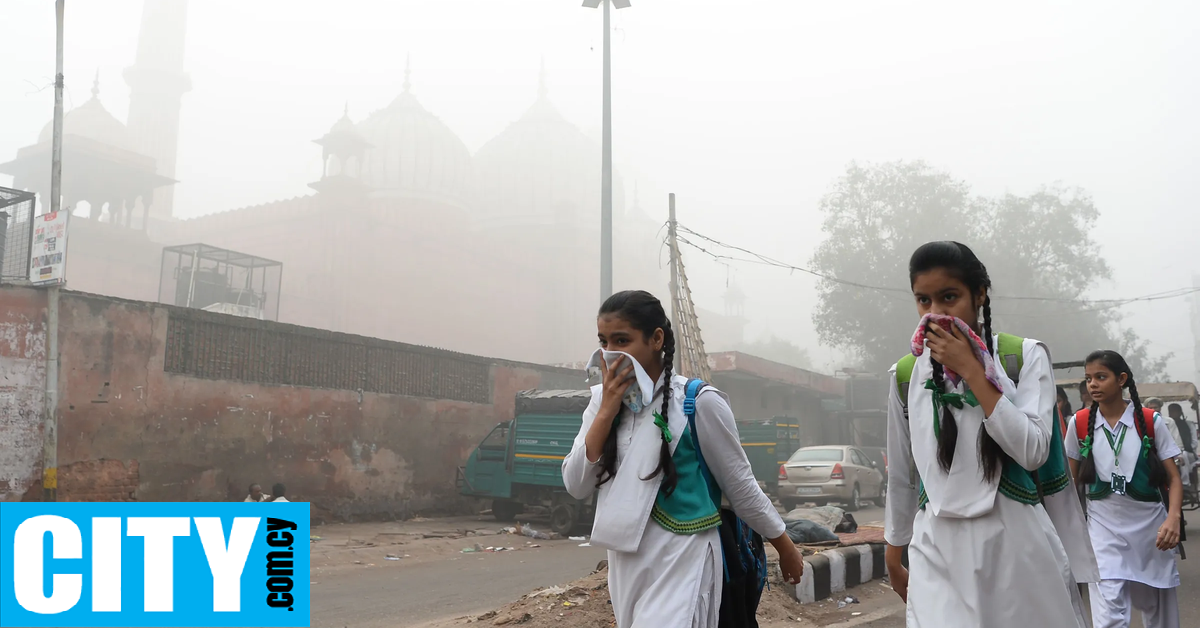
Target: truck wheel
[506, 511]
[564, 518]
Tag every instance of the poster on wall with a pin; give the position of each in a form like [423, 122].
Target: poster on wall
[48, 259]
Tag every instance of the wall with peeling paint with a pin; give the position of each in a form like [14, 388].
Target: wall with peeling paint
[22, 391]
[129, 429]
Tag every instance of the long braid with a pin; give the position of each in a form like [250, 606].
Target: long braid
[666, 464]
[1158, 472]
[992, 456]
[1087, 466]
[948, 432]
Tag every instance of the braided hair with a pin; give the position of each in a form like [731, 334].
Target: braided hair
[960, 262]
[1115, 363]
[645, 313]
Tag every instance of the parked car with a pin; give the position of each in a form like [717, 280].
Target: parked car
[830, 473]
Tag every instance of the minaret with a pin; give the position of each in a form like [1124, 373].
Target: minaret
[157, 84]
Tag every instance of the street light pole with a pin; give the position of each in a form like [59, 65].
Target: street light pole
[606, 218]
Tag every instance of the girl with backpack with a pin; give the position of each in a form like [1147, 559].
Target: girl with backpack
[993, 538]
[1117, 451]
[662, 455]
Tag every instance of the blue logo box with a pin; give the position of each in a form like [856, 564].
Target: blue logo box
[194, 565]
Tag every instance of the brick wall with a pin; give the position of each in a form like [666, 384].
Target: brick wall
[159, 403]
[22, 391]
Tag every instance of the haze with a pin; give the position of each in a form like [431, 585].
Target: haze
[746, 110]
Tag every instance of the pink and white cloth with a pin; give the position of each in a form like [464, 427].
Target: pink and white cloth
[950, 322]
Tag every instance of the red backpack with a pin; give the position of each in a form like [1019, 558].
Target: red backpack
[1081, 421]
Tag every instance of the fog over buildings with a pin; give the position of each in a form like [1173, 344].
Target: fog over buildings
[472, 127]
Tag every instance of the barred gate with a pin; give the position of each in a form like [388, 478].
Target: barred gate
[17, 210]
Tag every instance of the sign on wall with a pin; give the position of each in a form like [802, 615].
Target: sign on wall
[48, 256]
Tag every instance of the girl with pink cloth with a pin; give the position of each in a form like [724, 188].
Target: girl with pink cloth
[987, 548]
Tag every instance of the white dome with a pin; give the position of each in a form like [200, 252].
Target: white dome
[93, 121]
[414, 154]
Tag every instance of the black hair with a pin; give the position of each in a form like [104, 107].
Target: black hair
[1174, 406]
[278, 490]
[645, 313]
[960, 262]
[1064, 400]
[1113, 361]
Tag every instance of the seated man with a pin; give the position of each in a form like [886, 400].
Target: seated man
[256, 494]
[277, 492]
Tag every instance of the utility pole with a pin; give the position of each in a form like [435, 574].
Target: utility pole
[50, 427]
[606, 218]
[690, 356]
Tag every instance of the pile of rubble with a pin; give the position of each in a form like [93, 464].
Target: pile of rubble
[583, 603]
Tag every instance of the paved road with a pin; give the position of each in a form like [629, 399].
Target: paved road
[395, 594]
[398, 594]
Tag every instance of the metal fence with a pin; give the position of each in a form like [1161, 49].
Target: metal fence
[17, 210]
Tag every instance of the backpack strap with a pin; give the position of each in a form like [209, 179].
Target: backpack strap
[1081, 421]
[904, 371]
[1149, 415]
[694, 386]
[1012, 355]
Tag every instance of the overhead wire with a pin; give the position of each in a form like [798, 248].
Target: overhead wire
[761, 259]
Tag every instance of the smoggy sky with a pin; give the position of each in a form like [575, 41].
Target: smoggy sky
[746, 110]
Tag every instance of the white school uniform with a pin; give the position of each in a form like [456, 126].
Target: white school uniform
[1134, 573]
[978, 558]
[658, 579]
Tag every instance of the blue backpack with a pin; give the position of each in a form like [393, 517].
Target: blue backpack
[737, 537]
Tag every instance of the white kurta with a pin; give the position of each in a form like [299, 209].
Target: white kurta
[1124, 530]
[978, 558]
[674, 580]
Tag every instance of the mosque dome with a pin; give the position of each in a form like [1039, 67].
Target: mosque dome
[414, 154]
[541, 169]
[93, 121]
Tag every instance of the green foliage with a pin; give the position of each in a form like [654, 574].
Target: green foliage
[1038, 250]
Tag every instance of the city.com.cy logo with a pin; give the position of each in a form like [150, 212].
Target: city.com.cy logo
[187, 565]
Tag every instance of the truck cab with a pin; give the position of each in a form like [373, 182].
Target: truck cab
[518, 465]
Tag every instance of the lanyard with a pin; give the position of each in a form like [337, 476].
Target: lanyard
[1116, 442]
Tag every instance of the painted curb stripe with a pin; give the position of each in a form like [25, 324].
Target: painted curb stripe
[835, 570]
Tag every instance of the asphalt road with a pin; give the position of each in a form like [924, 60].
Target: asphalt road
[399, 594]
[395, 594]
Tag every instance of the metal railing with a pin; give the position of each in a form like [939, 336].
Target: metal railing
[17, 211]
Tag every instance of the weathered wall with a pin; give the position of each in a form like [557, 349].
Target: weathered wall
[22, 390]
[167, 404]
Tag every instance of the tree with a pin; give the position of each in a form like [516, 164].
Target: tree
[778, 350]
[1037, 248]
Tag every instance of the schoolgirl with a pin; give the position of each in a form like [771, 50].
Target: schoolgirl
[658, 513]
[993, 537]
[1117, 451]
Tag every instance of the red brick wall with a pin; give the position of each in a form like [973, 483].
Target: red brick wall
[128, 428]
[22, 391]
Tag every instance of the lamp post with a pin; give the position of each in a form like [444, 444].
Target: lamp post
[606, 275]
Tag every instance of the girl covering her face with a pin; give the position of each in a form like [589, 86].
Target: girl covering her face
[982, 531]
[664, 522]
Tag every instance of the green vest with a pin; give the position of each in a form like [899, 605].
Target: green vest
[693, 506]
[1016, 482]
[1137, 487]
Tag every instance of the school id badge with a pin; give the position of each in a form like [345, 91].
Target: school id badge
[1118, 484]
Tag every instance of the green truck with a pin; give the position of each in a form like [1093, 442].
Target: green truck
[768, 444]
[519, 464]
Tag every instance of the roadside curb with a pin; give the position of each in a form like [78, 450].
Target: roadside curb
[836, 570]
